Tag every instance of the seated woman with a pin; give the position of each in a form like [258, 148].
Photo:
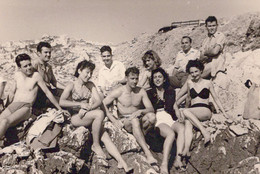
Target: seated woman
[151, 61]
[162, 97]
[85, 110]
[198, 90]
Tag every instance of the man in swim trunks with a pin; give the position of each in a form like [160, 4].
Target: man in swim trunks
[130, 100]
[27, 83]
[45, 70]
[211, 52]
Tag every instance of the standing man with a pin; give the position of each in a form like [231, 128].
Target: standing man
[27, 83]
[179, 75]
[212, 49]
[111, 73]
[130, 100]
[45, 70]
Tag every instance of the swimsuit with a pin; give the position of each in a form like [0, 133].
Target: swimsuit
[18, 105]
[204, 93]
[200, 105]
[163, 117]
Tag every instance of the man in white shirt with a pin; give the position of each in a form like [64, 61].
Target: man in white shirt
[212, 50]
[179, 75]
[111, 74]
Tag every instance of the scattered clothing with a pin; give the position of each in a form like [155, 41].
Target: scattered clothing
[42, 123]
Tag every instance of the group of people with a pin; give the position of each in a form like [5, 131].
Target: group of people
[141, 105]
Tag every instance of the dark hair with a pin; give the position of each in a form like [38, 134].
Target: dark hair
[211, 19]
[166, 83]
[21, 57]
[42, 44]
[154, 56]
[188, 37]
[133, 70]
[82, 65]
[106, 48]
[194, 63]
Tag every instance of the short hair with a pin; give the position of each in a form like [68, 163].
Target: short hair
[21, 57]
[188, 37]
[154, 56]
[211, 19]
[194, 63]
[133, 70]
[106, 48]
[82, 65]
[166, 83]
[42, 44]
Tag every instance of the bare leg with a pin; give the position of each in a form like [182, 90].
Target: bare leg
[197, 114]
[169, 135]
[188, 138]
[95, 117]
[148, 122]
[141, 140]
[113, 151]
[179, 128]
[9, 120]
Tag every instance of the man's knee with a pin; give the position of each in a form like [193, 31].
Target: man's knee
[150, 117]
[5, 122]
[100, 115]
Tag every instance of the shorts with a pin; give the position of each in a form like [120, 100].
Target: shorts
[18, 105]
[163, 117]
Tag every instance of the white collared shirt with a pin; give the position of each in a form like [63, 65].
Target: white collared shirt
[183, 58]
[107, 76]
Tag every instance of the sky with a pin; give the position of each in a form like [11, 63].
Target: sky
[107, 21]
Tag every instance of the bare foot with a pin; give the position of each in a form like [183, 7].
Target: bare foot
[164, 169]
[151, 160]
[124, 165]
[98, 151]
[177, 163]
[206, 138]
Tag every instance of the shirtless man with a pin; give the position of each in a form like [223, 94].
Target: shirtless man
[130, 100]
[27, 83]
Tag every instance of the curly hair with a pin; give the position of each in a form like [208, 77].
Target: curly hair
[82, 65]
[166, 83]
[194, 63]
[154, 56]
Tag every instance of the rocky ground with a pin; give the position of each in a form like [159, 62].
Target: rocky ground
[235, 146]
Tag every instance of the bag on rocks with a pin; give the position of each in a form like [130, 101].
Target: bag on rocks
[251, 109]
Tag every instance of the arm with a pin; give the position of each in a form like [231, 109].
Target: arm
[215, 98]
[147, 104]
[64, 102]
[12, 92]
[214, 51]
[107, 101]
[95, 95]
[182, 92]
[47, 92]
[143, 79]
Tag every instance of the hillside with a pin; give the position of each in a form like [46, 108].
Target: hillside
[235, 147]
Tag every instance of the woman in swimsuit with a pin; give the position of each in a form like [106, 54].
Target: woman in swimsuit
[84, 107]
[198, 90]
[162, 97]
[151, 61]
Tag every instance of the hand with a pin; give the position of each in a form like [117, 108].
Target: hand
[118, 124]
[114, 83]
[85, 106]
[136, 114]
[65, 112]
[81, 113]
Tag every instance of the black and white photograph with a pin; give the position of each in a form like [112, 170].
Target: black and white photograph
[129, 86]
